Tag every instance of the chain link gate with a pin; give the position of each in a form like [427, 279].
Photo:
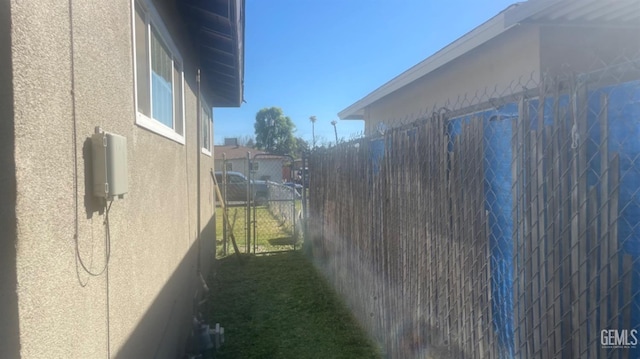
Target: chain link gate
[231, 177]
[276, 204]
[263, 203]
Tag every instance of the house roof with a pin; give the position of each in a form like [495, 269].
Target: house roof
[572, 12]
[240, 152]
[217, 27]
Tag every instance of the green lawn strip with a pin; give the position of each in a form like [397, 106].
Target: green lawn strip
[279, 307]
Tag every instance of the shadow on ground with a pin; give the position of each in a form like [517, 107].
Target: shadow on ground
[282, 241]
[277, 306]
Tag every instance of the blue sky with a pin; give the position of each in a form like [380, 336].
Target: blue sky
[316, 57]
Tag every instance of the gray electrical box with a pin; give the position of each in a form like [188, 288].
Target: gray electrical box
[109, 155]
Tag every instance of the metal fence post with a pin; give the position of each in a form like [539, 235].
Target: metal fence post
[254, 209]
[248, 203]
[293, 214]
[305, 232]
[225, 216]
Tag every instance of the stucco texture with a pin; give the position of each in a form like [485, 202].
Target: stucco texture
[9, 322]
[73, 70]
[586, 48]
[512, 61]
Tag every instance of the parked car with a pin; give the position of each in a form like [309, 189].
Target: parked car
[235, 188]
[297, 186]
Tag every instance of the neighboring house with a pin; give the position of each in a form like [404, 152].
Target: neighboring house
[265, 166]
[510, 51]
[130, 67]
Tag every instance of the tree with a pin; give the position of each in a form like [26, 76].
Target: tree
[246, 141]
[313, 120]
[274, 131]
[335, 129]
[302, 146]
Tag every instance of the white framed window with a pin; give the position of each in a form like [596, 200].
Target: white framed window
[159, 75]
[206, 128]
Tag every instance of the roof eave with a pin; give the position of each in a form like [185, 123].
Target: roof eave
[624, 13]
[346, 115]
[525, 10]
[476, 37]
[217, 30]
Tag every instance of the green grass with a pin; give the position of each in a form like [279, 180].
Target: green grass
[272, 233]
[277, 306]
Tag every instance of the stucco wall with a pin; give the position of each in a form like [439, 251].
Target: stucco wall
[581, 49]
[508, 61]
[237, 165]
[506, 64]
[269, 168]
[141, 306]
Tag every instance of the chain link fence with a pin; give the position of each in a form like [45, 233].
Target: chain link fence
[263, 205]
[233, 214]
[275, 227]
[507, 225]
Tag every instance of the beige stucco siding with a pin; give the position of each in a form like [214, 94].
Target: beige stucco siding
[141, 307]
[52, 308]
[586, 48]
[270, 168]
[508, 61]
[9, 324]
